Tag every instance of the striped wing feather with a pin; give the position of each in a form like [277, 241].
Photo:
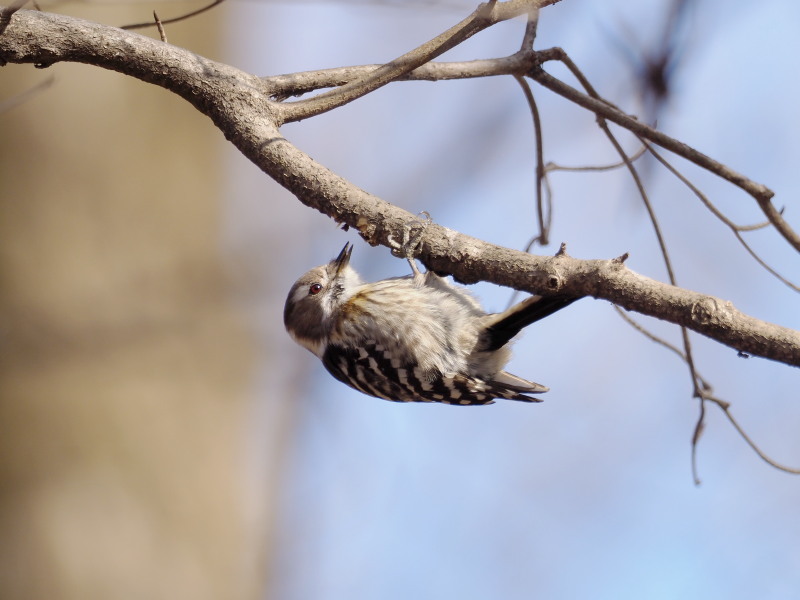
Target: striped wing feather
[372, 369]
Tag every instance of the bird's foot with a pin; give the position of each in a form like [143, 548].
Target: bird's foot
[412, 238]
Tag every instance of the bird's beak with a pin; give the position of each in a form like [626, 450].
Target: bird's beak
[343, 259]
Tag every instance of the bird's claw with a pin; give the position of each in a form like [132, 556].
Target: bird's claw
[412, 238]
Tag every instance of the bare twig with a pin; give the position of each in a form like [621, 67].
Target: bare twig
[705, 396]
[544, 221]
[703, 198]
[602, 108]
[483, 17]
[754, 226]
[296, 84]
[550, 167]
[160, 25]
[725, 407]
[699, 427]
[530, 29]
[573, 68]
[188, 15]
[284, 86]
[658, 340]
[736, 229]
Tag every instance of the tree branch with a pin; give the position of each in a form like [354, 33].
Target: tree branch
[761, 193]
[239, 105]
[296, 84]
[183, 17]
[484, 16]
[526, 62]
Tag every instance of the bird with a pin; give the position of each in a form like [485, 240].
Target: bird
[416, 338]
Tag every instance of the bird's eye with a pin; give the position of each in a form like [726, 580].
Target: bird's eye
[315, 288]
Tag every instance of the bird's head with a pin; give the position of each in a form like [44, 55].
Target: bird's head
[314, 299]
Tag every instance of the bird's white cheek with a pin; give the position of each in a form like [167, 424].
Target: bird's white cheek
[299, 294]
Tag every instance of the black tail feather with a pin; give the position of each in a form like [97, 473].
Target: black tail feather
[510, 322]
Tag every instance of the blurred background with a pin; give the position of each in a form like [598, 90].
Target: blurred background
[162, 437]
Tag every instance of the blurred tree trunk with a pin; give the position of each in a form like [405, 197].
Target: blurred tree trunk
[124, 369]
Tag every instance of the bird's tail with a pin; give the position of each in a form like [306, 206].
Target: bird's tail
[505, 325]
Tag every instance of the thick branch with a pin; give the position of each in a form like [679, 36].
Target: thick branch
[238, 103]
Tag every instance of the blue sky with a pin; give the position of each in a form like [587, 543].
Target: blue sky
[588, 495]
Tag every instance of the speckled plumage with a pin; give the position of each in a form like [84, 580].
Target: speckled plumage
[410, 339]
